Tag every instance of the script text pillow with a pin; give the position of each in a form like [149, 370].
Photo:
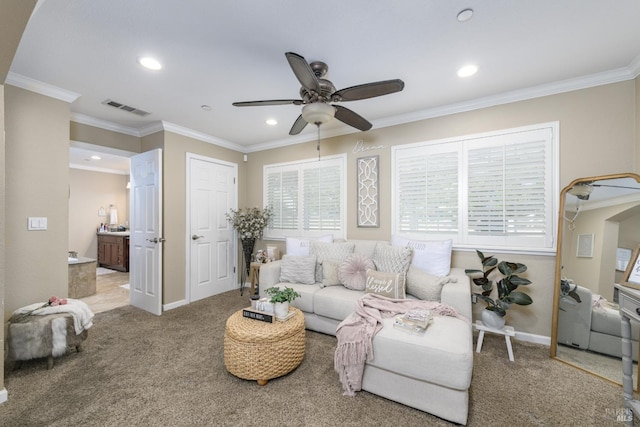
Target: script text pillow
[390, 285]
[432, 256]
[352, 272]
[298, 269]
[392, 259]
[300, 246]
[425, 286]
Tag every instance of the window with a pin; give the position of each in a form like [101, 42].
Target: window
[308, 197]
[494, 190]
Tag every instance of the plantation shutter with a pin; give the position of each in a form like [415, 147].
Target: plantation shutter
[428, 192]
[307, 198]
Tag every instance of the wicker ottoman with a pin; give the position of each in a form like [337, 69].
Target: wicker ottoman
[255, 350]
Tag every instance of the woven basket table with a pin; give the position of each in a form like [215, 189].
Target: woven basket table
[255, 350]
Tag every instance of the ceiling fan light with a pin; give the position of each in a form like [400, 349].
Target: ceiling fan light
[318, 113]
[581, 191]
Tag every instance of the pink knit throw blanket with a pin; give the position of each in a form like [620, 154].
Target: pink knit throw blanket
[355, 333]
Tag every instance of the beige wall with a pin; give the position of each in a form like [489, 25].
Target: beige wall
[2, 233]
[88, 192]
[106, 138]
[597, 137]
[37, 185]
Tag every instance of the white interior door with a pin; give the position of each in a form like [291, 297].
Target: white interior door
[145, 244]
[211, 193]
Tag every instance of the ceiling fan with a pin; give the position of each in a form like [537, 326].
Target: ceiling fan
[318, 94]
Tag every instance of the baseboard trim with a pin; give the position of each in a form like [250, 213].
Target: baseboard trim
[533, 338]
[4, 396]
[171, 306]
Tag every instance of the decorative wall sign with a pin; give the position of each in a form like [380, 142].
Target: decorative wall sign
[368, 213]
[585, 246]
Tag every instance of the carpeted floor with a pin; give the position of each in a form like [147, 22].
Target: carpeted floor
[142, 370]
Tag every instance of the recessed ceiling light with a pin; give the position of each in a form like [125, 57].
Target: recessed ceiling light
[206, 107]
[467, 70]
[150, 63]
[94, 157]
[271, 122]
[465, 15]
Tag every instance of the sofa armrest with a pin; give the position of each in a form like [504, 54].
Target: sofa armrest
[269, 275]
[458, 294]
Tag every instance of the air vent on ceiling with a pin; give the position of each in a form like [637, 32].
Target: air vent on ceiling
[125, 107]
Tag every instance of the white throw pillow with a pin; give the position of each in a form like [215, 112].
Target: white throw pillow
[299, 246]
[298, 269]
[330, 272]
[392, 259]
[324, 251]
[425, 286]
[432, 256]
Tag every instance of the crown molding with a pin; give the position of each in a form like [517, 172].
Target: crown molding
[104, 124]
[42, 88]
[180, 130]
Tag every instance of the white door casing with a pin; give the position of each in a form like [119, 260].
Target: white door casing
[146, 241]
[211, 192]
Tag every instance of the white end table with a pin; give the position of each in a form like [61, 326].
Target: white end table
[507, 331]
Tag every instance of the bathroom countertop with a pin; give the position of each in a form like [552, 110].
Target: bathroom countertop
[113, 233]
[81, 260]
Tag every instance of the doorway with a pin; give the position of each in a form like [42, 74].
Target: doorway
[112, 290]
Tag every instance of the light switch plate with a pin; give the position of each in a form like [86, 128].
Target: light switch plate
[37, 223]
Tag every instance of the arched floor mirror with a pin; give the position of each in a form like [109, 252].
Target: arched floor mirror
[598, 228]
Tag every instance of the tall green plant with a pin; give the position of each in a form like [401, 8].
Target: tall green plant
[506, 286]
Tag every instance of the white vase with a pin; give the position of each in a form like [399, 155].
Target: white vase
[492, 319]
[282, 309]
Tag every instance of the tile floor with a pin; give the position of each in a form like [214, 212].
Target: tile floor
[109, 293]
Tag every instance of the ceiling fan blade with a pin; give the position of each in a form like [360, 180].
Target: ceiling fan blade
[268, 102]
[615, 186]
[369, 90]
[351, 118]
[303, 71]
[298, 125]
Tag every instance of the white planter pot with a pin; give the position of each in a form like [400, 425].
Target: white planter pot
[492, 319]
[281, 308]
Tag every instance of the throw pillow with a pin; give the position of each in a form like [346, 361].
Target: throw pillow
[432, 256]
[323, 251]
[298, 269]
[330, 272]
[392, 259]
[300, 246]
[390, 285]
[352, 272]
[425, 286]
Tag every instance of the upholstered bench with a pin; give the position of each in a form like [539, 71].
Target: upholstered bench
[40, 336]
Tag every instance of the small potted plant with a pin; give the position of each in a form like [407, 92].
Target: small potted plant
[281, 299]
[493, 315]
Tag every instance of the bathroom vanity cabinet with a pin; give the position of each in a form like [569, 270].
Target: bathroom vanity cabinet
[113, 251]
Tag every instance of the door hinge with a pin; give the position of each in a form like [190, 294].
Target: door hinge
[234, 180]
[234, 270]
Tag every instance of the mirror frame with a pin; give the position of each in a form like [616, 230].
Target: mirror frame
[558, 267]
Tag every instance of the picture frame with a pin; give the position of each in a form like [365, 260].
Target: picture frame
[368, 191]
[632, 273]
[585, 246]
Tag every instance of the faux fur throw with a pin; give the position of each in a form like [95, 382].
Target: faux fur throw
[355, 333]
[82, 314]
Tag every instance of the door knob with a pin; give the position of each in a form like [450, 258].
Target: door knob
[196, 237]
[156, 240]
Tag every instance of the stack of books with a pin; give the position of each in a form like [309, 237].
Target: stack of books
[413, 321]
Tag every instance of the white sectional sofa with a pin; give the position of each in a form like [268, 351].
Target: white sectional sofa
[430, 372]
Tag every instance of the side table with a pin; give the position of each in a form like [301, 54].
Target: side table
[254, 275]
[507, 331]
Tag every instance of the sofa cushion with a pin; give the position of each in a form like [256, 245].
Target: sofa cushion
[299, 246]
[305, 301]
[298, 269]
[392, 259]
[323, 250]
[443, 355]
[352, 273]
[335, 302]
[432, 256]
[425, 286]
[330, 275]
[390, 285]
